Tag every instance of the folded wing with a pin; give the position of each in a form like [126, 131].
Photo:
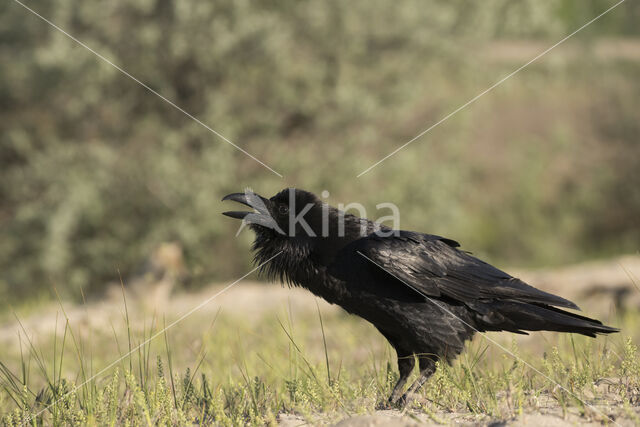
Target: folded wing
[432, 266]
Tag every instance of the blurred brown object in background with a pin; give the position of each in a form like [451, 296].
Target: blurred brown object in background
[598, 286]
[621, 296]
[162, 271]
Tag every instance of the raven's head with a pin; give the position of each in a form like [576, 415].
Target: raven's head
[295, 223]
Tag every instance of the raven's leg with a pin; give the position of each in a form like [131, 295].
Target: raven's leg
[405, 366]
[427, 368]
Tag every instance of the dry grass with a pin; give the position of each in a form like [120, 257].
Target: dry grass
[263, 354]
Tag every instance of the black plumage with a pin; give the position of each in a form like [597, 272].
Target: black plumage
[424, 294]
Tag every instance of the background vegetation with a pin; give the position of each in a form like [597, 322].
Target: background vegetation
[99, 178]
[96, 171]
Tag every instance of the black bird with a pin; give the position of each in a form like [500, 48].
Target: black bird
[426, 296]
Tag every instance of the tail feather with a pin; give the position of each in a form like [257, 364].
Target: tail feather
[518, 317]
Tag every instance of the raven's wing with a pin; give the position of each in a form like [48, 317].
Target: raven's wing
[433, 267]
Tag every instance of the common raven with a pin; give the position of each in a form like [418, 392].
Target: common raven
[426, 296]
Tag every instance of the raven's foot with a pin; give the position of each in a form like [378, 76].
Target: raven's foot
[395, 402]
[405, 366]
[383, 406]
[400, 402]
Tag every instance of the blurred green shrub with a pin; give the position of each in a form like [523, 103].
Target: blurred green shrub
[96, 171]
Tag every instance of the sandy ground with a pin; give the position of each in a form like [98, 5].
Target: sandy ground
[598, 286]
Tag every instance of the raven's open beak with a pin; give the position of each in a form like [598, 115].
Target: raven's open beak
[261, 216]
[240, 198]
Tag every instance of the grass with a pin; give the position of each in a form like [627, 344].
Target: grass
[233, 366]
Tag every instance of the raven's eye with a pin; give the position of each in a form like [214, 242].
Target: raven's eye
[283, 209]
